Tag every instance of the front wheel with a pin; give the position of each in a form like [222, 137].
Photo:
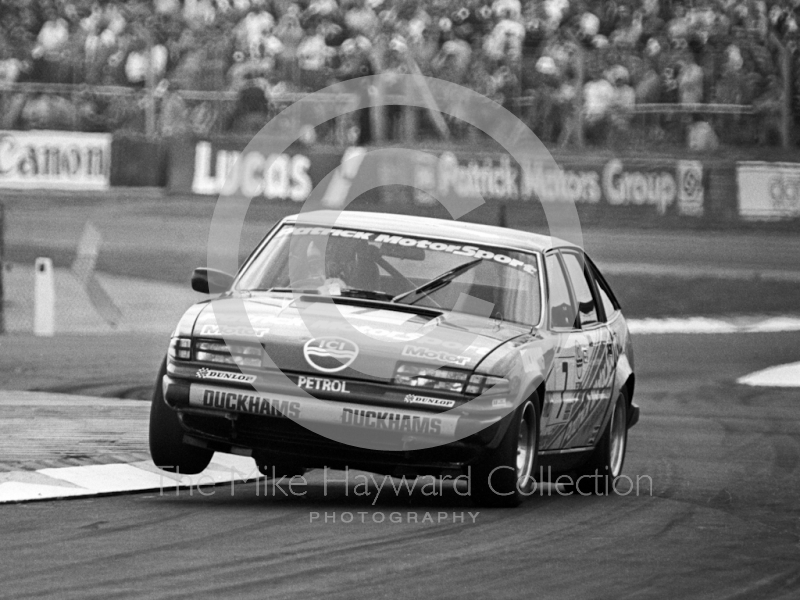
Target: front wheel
[167, 449]
[504, 476]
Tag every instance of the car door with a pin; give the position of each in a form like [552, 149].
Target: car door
[594, 395]
[565, 380]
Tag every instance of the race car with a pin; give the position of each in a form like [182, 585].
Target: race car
[403, 346]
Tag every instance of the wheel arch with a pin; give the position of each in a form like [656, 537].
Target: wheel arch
[629, 385]
[540, 392]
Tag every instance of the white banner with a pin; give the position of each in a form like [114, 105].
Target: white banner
[62, 160]
[768, 191]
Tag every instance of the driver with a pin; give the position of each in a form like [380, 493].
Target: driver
[348, 264]
[353, 262]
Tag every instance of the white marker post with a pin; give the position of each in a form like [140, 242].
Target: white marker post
[44, 298]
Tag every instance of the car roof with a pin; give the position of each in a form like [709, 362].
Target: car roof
[437, 228]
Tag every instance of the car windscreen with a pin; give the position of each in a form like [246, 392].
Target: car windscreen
[424, 271]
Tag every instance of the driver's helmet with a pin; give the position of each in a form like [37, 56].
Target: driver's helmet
[352, 261]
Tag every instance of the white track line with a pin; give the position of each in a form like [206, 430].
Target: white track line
[780, 376]
[94, 480]
[700, 271]
[712, 325]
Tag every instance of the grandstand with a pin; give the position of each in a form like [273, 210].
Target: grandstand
[596, 72]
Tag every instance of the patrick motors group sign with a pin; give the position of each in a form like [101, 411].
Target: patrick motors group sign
[614, 181]
[54, 160]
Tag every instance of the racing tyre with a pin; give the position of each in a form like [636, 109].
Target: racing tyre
[167, 449]
[504, 476]
[599, 474]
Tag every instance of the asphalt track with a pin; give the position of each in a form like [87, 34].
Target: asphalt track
[723, 520]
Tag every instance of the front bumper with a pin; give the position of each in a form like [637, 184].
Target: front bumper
[280, 426]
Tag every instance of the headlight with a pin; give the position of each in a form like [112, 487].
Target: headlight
[228, 354]
[432, 378]
[180, 348]
[487, 384]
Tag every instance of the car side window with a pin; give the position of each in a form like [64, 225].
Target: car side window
[562, 311]
[587, 306]
[605, 297]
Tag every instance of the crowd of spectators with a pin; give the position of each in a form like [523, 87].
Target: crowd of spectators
[630, 51]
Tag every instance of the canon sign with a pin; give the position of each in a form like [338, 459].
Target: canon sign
[276, 176]
[54, 160]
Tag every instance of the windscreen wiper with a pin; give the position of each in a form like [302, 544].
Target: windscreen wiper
[368, 294]
[347, 292]
[439, 281]
[285, 290]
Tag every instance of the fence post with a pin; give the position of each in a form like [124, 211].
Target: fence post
[581, 75]
[787, 55]
[150, 92]
[410, 123]
[2, 268]
[44, 298]
[378, 115]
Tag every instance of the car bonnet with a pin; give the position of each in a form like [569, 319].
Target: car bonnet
[354, 341]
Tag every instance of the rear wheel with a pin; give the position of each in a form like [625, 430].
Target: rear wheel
[166, 437]
[504, 476]
[598, 475]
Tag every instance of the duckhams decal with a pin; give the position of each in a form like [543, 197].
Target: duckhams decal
[244, 402]
[391, 421]
[309, 410]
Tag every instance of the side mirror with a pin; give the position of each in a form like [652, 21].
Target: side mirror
[210, 281]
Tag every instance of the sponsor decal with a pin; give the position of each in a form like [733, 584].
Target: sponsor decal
[623, 187]
[322, 384]
[566, 185]
[501, 403]
[690, 188]
[768, 191]
[435, 355]
[425, 244]
[205, 373]
[486, 178]
[310, 410]
[334, 232]
[330, 354]
[391, 421]
[244, 330]
[54, 160]
[277, 176]
[498, 178]
[428, 401]
[244, 402]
